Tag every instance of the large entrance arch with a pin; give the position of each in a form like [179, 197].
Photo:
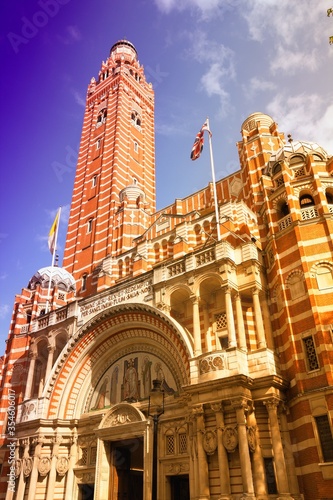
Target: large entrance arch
[103, 351]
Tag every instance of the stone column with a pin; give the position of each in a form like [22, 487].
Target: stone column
[21, 482]
[30, 378]
[240, 405]
[196, 326]
[51, 348]
[259, 476]
[240, 323]
[194, 486]
[34, 473]
[267, 317]
[69, 494]
[225, 490]
[53, 471]
[259, 324]
[288, 453]
[208, 338]
[203, 481]
[230, 319]
[278, 453]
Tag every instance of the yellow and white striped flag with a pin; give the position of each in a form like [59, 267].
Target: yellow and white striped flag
[53, 232]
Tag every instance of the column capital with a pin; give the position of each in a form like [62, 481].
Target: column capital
[217, 407]
[272, 403]
[33, 354]
[256, 290]
[198, 411]
[195, 299]
[240, 403]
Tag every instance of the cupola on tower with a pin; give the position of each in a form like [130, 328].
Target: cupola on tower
[114, 187]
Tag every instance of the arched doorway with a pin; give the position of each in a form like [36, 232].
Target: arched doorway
[124, 455]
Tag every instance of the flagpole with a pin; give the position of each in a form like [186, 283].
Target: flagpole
[52, 263]
[214, 183]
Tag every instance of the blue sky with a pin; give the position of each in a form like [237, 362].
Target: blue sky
[219, 58]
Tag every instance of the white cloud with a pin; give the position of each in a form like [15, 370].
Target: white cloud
[219, 60]
[305, 117]
[4, 310]
[283, 19]
[258, 85]
[212, 84]
[72, 35]
[79, 99]
[204, 6]
[295, 31]
[292, 61]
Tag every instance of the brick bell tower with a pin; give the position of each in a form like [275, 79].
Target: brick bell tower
[114, 187]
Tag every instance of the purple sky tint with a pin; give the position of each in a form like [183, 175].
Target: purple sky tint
[219, 58]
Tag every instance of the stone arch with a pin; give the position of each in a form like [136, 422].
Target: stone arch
[306, 188]
[295, 283]
[179, 300]
[121, 414]
[282, 207]
[110, 336]
[323, 272]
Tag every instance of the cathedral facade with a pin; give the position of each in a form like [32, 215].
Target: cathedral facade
[228, 322]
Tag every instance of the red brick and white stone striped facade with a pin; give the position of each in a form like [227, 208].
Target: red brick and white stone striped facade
[238, 330]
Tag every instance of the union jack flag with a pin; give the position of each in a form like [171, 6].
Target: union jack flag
[199, 142]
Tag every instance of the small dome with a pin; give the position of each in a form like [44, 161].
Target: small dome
[123, 47]
[251, 121]
[298, 147]
[59, 276]
[131, 193]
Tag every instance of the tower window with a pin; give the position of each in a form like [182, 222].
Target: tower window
[136, 120]
[89, 225]
[84, 283]
[136, 147]
[325, 437]
[310, 353]
[94, 181]
[98, 144]
[101, 118]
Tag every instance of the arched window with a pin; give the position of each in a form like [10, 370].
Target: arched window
[197, 230]
[329, 196]
[295, 283]
[136, 119]
[276, 168]
[306, 200]
[157, 252]
[282, 209]
[120, 269]
[324, 277]
[296, 160]
[84, 282]
[101, 118]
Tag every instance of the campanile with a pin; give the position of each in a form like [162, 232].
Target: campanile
[114, 187]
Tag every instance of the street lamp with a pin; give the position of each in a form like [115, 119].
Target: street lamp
[155, 410]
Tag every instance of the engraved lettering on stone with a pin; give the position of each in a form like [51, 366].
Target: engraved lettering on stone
[130, 292]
